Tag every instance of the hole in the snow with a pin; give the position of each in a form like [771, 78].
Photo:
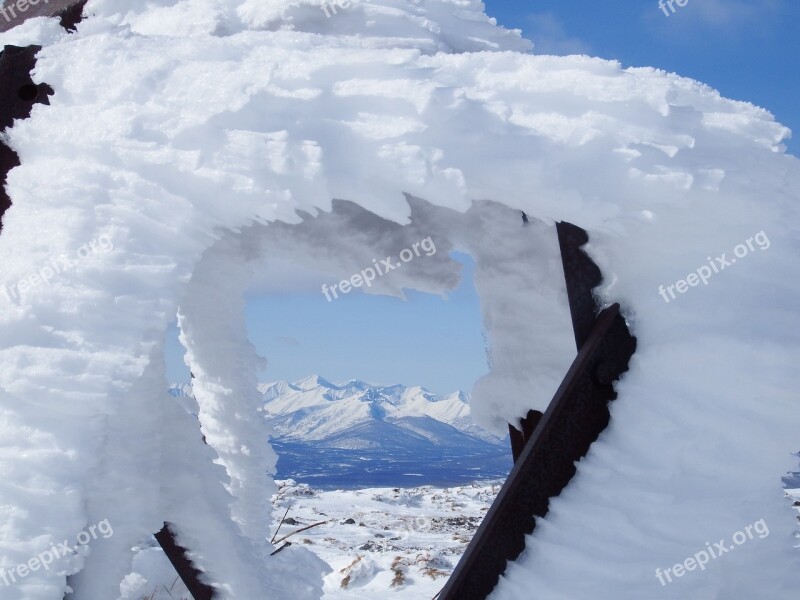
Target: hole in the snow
[365, 392]
[368, 390]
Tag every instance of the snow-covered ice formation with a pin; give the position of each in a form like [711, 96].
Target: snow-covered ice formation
[191, 133]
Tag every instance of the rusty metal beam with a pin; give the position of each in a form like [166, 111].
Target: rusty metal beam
[574, 419]
[519, 437]
[545, 457]
[18, 94]
[581, 276]
[179, 558]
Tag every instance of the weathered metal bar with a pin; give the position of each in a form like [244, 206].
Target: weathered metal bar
[544, 459]
[18, 94]
[581, 276]
[574, 419]
[519, 437]
[179, 558]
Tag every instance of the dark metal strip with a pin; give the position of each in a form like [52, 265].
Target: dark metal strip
[519, 437]
[581, 276]
[575, 418]
[179, 558]
[18, 94]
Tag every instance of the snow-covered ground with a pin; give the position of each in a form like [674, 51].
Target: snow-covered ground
[380, 540]
[403, 541]
[376, 540]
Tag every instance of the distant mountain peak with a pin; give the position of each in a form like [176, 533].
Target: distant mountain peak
[314, 409]
[313, 381]
[355, 384]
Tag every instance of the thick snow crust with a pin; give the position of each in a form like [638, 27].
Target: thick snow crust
[182, 141]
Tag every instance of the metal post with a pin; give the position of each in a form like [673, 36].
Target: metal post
[545, 458]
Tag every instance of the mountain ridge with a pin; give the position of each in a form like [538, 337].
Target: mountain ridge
[355, 434]
[313, 408]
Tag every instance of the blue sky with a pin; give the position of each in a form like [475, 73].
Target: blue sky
[424, 340]
[747, 49]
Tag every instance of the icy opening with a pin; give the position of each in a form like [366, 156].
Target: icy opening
[509, 254]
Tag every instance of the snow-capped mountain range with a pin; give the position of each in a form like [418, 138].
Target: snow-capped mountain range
[356, 434]
[340, 416]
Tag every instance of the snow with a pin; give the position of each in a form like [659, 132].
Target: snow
[356, 434]
[196, 135]
[420, 532]
[313, 408]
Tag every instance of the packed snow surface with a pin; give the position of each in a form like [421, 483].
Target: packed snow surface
[182, 141]
[402, 541]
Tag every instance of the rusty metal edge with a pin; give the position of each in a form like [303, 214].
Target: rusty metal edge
[544, 468]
